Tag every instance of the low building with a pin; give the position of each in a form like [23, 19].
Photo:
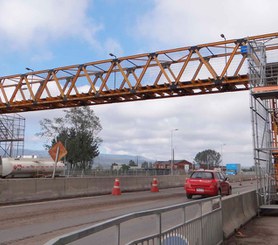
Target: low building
[178, 165]
[116, 166]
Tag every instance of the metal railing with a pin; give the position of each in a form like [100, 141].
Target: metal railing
[116, 173]
[197, 222]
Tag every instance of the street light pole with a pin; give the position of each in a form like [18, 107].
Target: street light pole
[115, 57]
[29, 69]
[172, 150]
[222, 145]
[223, 36]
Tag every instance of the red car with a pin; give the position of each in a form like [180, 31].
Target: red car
[207, 183]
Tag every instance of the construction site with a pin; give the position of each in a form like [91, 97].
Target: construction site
[235, 65]
[263, 77]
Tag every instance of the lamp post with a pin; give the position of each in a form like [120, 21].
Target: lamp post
[29, 69]
[222, 145]
[172, 150]
[115, 57]
[223, 36]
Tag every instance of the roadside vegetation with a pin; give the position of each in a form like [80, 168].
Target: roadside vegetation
[208, 159]
[78, 131]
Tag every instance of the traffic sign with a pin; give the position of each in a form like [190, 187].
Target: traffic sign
[59, 149]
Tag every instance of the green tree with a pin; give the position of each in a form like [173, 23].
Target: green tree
[125, 167]
[145, 165]
[132, 163]
[208, 159]
[78, 132]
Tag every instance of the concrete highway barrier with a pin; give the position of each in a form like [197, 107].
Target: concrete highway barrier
[237, 210]
[24, 190]
[37, 189]
[205, 226]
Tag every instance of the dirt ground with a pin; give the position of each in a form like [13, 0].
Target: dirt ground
[259, 231]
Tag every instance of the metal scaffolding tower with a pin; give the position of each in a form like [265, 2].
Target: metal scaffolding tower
[264, 94]
[12, 130]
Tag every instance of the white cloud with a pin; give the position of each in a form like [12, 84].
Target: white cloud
[203, 122]
[32, 127]
[143, 128]
[113, 46]
[42, 56]
[30, 23]
[211, 120]
[184, 22]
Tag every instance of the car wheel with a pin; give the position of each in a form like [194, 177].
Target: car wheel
[189, 196]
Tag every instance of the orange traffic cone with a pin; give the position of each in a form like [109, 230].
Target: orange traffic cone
[154, 185]
[116, 191]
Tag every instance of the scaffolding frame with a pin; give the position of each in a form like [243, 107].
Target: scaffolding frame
[12, 131]
[263, 104]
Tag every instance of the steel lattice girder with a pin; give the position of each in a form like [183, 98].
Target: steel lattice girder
[207, 68]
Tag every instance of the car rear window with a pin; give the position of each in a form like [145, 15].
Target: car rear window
[201, 175]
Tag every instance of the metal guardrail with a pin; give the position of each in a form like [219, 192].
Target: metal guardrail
[142, 172]
[117, 173]
[197, 222]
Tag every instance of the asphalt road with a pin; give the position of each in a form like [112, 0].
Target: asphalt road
[36, 223]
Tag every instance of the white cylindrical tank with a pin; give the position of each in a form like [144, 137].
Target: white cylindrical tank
[20, 167]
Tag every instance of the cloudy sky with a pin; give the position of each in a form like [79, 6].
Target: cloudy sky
[51, 33]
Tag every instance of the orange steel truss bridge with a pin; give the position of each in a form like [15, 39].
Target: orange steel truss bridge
[202, 69]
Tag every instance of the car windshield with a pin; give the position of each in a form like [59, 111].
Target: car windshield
[201, 175]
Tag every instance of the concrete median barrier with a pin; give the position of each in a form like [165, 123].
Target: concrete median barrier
[237, 210]
[17, 191]
[24, 190]
[50, 188]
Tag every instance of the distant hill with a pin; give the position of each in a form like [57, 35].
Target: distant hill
[28, 152]
[104, 160]
[108, 159]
